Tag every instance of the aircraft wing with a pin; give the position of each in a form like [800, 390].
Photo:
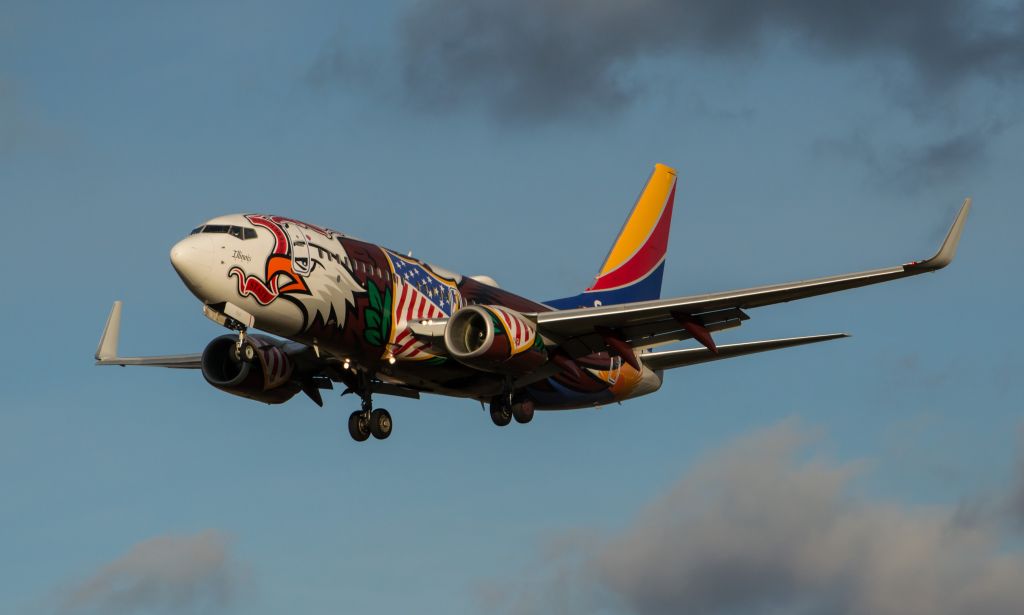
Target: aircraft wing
[581, 331]
[106, 353]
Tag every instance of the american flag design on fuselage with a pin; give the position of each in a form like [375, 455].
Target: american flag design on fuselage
[419, 295]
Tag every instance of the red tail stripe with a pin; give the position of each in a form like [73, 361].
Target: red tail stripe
[646, 258]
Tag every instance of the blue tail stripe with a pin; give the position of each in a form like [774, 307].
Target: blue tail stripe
[642, 290]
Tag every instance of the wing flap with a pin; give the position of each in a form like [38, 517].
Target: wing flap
[670, 359]
[655, 333]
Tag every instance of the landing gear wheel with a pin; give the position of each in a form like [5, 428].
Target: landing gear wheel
[244, 353]
[359, 426]
[380, 424]
[501, 414]
[523, 412]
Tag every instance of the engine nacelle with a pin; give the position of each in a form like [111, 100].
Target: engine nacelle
[494, 339]
[267, 377]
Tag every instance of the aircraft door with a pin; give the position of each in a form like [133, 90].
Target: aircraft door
[302, 261]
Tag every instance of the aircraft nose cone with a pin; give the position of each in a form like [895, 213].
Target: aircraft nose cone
[190, 257]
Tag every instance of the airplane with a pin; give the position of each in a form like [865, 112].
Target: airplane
[344, 311]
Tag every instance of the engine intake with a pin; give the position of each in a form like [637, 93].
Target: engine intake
[495, 339]
[266, 378]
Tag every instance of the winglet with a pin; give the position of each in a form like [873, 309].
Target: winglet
[948, 250]
[107, 349]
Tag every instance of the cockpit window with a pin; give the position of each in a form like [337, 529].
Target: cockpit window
[197, 229]
[240, 232]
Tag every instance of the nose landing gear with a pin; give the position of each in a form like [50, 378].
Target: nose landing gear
[244, 349]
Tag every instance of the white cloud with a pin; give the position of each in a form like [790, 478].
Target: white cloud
[760, 527]
[179, 574]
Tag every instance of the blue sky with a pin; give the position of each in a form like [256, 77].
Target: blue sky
[508, 139]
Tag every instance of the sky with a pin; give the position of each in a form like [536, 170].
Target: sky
[882, 473]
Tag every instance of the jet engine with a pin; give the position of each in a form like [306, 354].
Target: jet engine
[261, 371]
[494, 339]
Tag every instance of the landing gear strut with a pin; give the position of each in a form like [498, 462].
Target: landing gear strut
[367, 421]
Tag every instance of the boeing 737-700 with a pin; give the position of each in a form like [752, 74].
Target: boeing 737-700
[341, 310]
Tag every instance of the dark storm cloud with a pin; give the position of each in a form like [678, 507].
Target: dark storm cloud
[542, 59]
[760, 526]
[950, 158]
[947, 159]
[172, 574]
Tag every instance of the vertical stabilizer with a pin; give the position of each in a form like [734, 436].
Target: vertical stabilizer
[634, 267]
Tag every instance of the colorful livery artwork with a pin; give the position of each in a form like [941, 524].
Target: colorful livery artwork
[344, 311]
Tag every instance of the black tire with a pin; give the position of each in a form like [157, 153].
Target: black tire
[358, 426]
[501, 414]
[523, 412]
[380, 423]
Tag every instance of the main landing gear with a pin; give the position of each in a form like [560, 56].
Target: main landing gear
[505, 408]
[369, 422]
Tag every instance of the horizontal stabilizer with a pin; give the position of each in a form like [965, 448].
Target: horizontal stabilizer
[180, 361]
[669, 359]
[106, 353]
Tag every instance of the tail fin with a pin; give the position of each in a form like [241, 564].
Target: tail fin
[636, 263]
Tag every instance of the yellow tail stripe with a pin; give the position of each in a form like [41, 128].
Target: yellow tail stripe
[642, 219]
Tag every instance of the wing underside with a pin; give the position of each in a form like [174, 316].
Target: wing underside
[669, 359]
